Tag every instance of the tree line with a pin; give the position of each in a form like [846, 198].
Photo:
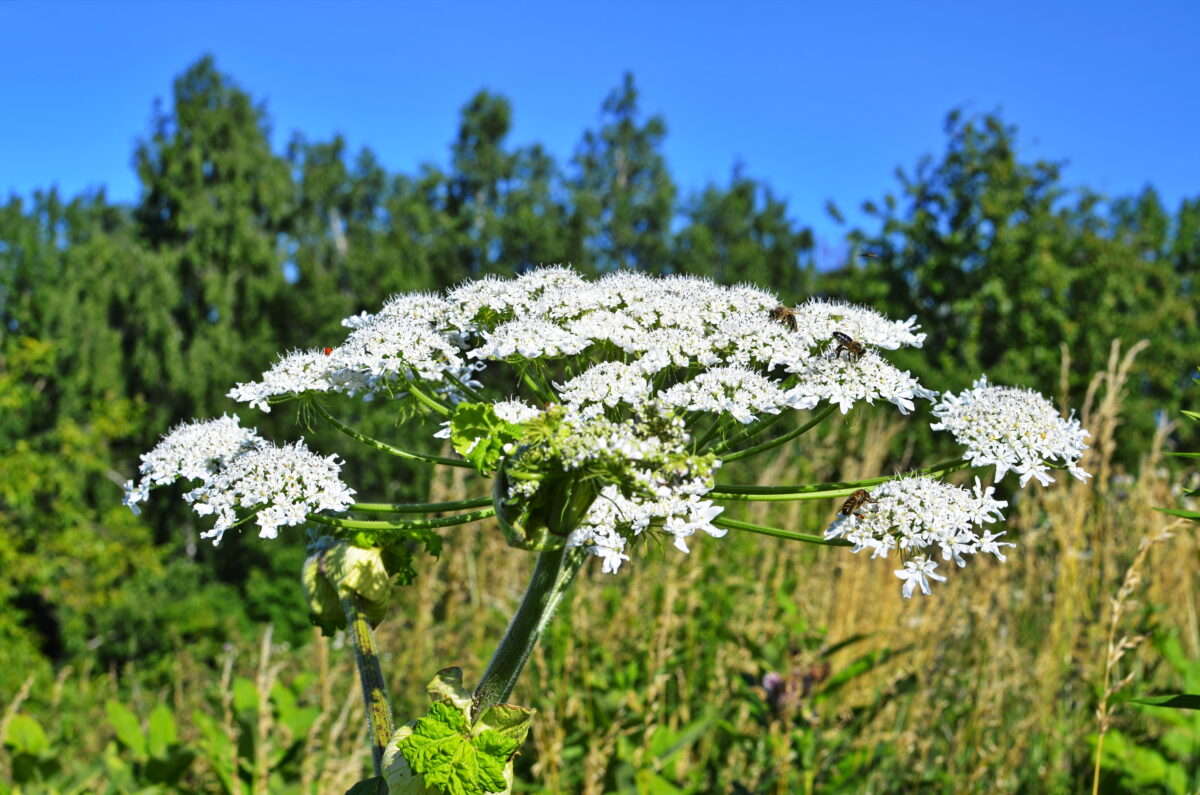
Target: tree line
[122, 320]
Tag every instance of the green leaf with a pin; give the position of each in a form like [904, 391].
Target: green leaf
[218, 749]
[510, 721]
[1173, 701]
[162, 731]
[1195, 415]
[376, 785]
[129, 732]
[245, 695]
[441, 751]
[479, 436]
[1177, 512]
[25, 735]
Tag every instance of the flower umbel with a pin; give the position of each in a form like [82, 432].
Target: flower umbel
[281, 485]
[1012, 429]
[918, 516]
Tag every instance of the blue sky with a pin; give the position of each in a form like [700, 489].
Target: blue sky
[822, 100]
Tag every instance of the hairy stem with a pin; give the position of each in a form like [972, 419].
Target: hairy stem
[419, 507]
[384, 446]
[817, 491]
[553, 573]
[787, 437]
[404, 524]
[366, 655]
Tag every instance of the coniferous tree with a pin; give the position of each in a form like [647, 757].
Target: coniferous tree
[215, 204]
[623, 197]
[743, 234]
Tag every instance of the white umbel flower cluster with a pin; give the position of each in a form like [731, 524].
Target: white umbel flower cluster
[1013, 429]
[922, 516]
[194, 450]
[240, 470]
[614, 517]
[282, 485]
[736, 391]
[605, 386]
[671, 330]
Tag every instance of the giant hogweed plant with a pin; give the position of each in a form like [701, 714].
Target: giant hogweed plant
[603, 412]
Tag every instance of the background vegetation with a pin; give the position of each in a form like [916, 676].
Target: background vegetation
[133, 656]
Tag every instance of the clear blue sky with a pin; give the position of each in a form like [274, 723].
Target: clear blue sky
[822, 100]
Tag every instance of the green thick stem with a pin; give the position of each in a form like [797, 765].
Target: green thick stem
[384, 446]
[366, 655]
[553, 573]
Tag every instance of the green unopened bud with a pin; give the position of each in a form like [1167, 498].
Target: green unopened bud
[448, 752]
[338, 569]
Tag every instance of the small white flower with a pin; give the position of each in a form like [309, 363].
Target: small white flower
[918, 571]
[737, 391]
[605, 385]
[513, 410]
[528, 338]
[294, 374]
[823, 318]
[1012, 429]
[844, 382]
[393, 344]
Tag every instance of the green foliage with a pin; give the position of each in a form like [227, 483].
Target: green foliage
[479, 436]
[445, 751]
[1006, 270]
[441, 751]
[1169, 762]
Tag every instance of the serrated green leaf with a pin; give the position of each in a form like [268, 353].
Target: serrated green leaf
[25, 735]
[440, 751]
[125, 724]
[1173, 701]
[495, 744]
[479, 436]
